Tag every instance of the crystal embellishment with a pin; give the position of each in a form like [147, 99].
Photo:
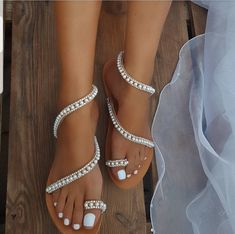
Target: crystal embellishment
[117, 163]
[73, 107]
[129, 79]
[95, 204]
[77, 174]
[129, 136]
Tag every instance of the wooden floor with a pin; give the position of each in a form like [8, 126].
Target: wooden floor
[28, 110]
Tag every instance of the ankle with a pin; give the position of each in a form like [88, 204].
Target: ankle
[133, 98]
[140, 70]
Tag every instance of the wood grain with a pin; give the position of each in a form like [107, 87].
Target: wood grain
[33, 91]
[8, 10]
[198, 18]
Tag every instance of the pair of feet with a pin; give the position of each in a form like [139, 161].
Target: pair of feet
[75, 147]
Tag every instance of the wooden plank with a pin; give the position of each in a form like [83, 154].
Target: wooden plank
[126, 210]
[33, 94]
[4, 120]
[198, 17]
[8, 10]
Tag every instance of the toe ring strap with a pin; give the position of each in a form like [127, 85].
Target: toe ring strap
[117, 163]
[95, 204]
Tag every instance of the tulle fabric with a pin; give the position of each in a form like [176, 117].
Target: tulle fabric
[194, 133]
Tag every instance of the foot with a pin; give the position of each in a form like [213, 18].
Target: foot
[75, 148]
[133, 114]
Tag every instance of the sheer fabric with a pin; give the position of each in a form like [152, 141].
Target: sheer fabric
[194, 133]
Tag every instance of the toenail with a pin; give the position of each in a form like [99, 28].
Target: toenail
[121, 174]
[89, 220]
[128, 176]
[66, 222]
[145, 158]
[135, 172]
[55, 204]
[139, 166]
[60, 215]
[76, 226]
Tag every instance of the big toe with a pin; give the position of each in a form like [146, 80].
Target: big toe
[91, 215]
[119, 172]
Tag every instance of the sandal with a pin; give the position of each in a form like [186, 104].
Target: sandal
[138, 175]
[52, 186]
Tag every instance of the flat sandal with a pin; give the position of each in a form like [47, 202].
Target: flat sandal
[55, 185]
[132, 179]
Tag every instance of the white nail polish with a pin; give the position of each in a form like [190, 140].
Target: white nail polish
[135, 172]
[89, 220]
[139, 166]
[76, 226]
[145, 158]
[55, 204]
[121, 174]
[66, 222]
[128, 176]
[60, 215]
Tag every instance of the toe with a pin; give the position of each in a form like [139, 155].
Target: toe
[77, 213]
[119, 172]
[68, 210]
[91, 216]
[55, 197]
[142, 153]
[131, 167]
[61, 203]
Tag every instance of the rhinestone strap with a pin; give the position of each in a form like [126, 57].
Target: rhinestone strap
[77, 174]
[117, 163]
[72, 107]
[95, 204]
[137, 84]
[129, 136]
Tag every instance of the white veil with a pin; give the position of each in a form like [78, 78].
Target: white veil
[194, 133]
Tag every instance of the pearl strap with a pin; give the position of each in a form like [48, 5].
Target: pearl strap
[117, 163]
[95, 204]
[129, 79]
[73, 107]
[77, 174]
[129, 136]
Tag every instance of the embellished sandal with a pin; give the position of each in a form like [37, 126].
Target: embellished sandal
[54, 185]
[131, 180]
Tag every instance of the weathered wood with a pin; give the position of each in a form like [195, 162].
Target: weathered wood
[33, 94]
[4, 120]
[198, 18]
[8, 10]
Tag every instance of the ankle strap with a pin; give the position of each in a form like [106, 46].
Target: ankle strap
[135, 83]
[73, 107]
